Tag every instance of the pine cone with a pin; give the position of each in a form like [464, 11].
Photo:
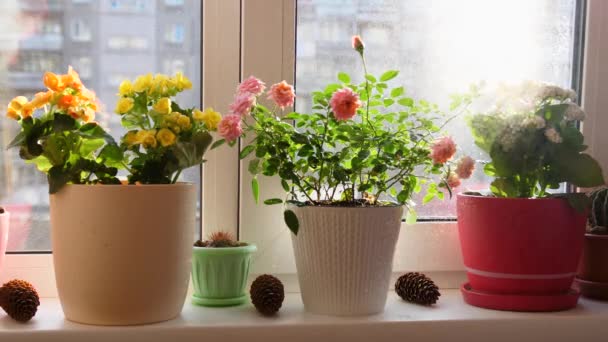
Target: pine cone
[267, 294]
[417, 288]
[19, 299]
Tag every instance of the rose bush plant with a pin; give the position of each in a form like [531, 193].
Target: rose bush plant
[65, 143]
[533, 141]
[365, 144]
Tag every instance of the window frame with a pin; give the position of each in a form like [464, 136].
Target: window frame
[428, 245]
[237, 42]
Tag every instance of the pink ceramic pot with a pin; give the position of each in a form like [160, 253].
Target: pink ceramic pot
[4, 223]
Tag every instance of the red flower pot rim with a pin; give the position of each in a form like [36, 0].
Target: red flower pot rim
[468, 194]
[597, 236]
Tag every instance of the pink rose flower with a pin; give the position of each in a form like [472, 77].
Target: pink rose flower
[443, 150]
[358, 44]
[344, 103]
[465, 167]
[282, 94]
[242, 104]
[453, 180]
[251, 86]
[230, 127]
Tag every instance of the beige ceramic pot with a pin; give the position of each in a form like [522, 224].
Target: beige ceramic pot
[122, 252]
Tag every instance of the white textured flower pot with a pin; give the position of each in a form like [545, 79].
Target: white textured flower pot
[344, 257]
[122, 252]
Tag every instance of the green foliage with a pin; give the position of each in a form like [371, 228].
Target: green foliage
[66, 150]
[381, 154]
[536, 148]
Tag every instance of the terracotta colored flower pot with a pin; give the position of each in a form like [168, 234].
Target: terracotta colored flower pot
[520, 246]
[122, 252]
[592, 276]
[219, 275]
[344, 257]
[4, 224]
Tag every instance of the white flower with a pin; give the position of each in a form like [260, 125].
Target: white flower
[553, 135]
[570, 94]
[535, 122]
[573, 113]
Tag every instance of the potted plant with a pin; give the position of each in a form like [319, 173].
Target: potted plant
[521, 243]
[4, 224]
[120, 249]
[220, 268]
[348, 169]
[592, 277]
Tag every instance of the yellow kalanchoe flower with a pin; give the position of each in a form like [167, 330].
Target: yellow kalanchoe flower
[210, 117]
[184, 123]
[160, 84]
[124, 105]
[143, 83]
[130, 138]
[182, 82]
[125, 88]
[165, 137]
[163, 106]
[146, 138]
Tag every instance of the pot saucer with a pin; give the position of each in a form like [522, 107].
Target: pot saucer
[512, 302]
[219, 301]
[592, 289]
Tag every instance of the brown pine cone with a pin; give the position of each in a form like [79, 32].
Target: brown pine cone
[417, 288]
[19, 299]
[267, 294]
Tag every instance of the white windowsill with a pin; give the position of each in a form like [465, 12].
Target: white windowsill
[451, 319]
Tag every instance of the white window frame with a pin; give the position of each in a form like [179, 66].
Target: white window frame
[433, 247]
[242, 38]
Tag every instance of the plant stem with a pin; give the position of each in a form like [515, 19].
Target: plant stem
[176, 176]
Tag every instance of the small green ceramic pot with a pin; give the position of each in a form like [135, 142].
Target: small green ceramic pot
[220, 275]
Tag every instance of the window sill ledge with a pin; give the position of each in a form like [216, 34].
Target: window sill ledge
[450, 319]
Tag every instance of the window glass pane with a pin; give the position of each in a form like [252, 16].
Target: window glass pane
[440, 47]
[106, 41]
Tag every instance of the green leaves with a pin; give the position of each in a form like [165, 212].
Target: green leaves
[291, 220]
[389, 75]
[272, 201]
[344, 77]
[218, 143]
[580, 169]
[255, 189]
[246, 151]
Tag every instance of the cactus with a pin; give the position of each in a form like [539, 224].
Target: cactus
[219, 240]
[598, 218]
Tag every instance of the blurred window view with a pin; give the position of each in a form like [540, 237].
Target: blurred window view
[105, 41]
[440, 47]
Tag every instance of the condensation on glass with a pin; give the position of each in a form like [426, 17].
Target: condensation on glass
[440, 47]
[106, 41]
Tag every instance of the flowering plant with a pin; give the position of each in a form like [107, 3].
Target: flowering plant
[164, 138]
[66, 144]
[364, 144]
[532, 138]
[63, 141]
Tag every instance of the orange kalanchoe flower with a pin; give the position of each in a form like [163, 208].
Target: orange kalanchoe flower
[71, 79]
[52, 81]
[66, 94]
